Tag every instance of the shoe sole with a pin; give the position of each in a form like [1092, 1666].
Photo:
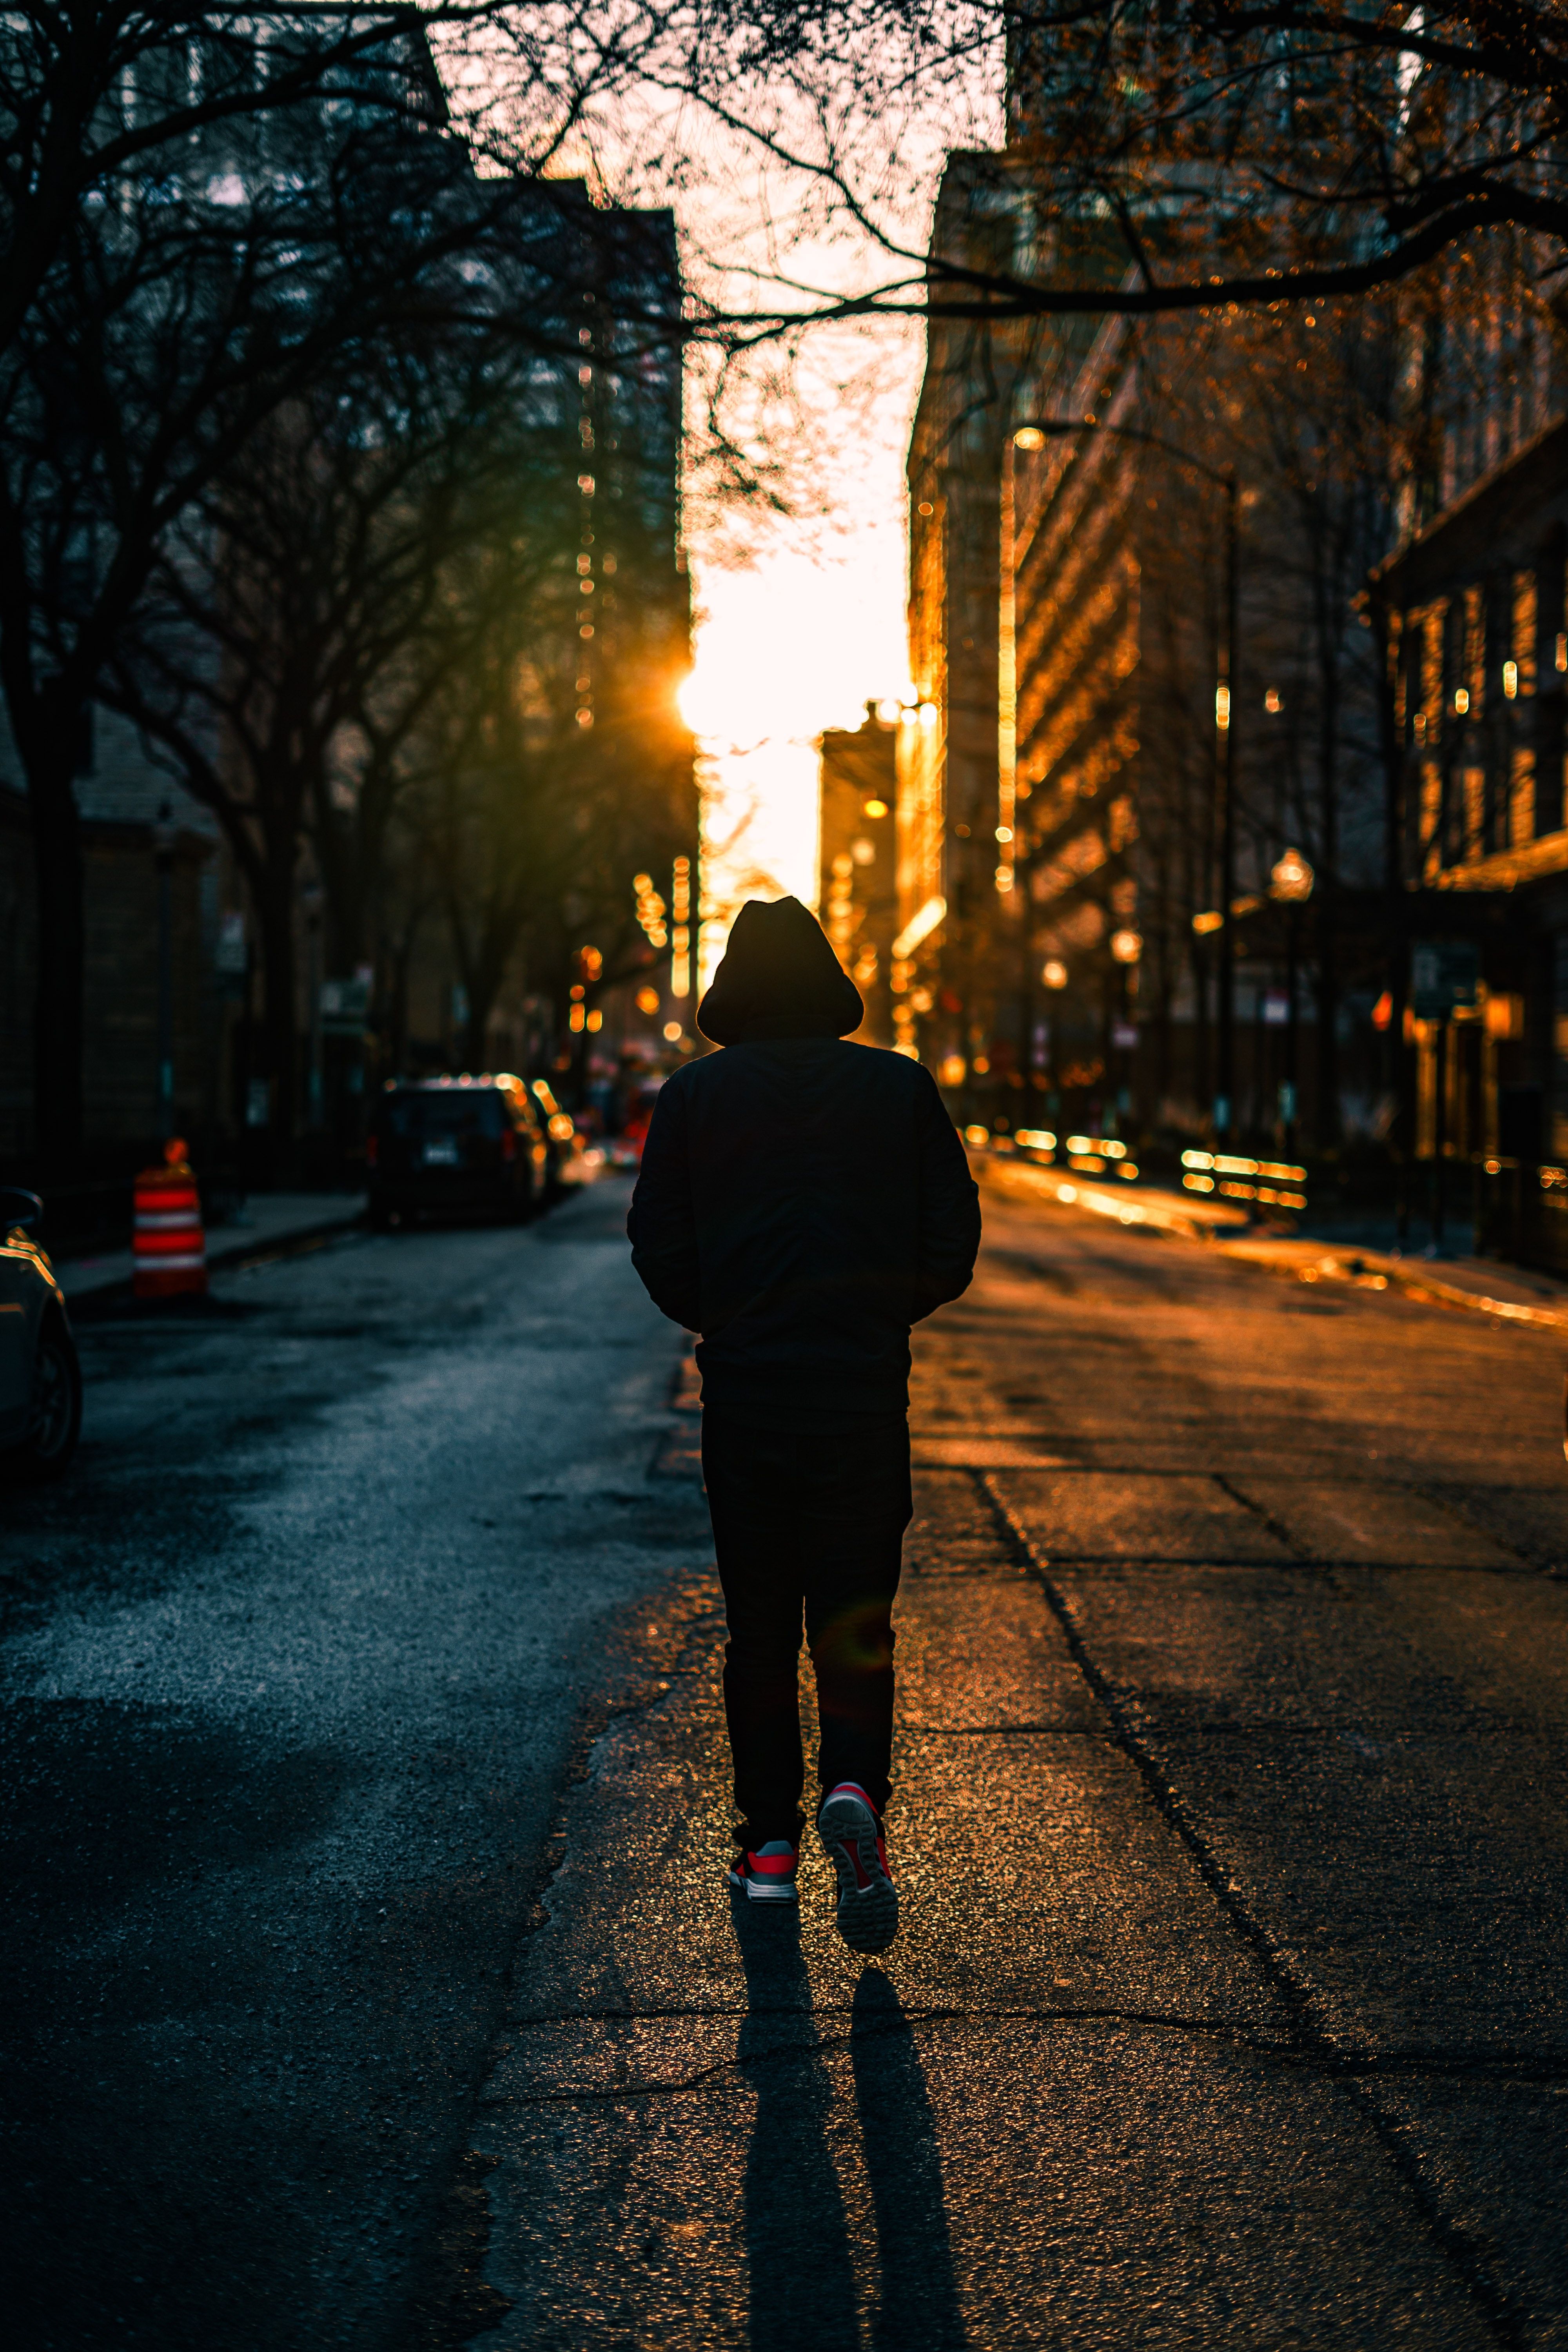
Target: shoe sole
[868, 1914]
[762, 1891]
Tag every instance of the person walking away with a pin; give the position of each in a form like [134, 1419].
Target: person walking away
[802, 1203]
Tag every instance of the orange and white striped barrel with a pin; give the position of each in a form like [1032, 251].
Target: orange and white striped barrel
[168, 1246]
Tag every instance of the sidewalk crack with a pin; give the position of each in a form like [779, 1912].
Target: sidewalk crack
[1313, 2044]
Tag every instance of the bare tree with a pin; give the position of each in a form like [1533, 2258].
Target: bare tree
[307, 610]
[1168, 154]
[201, 210]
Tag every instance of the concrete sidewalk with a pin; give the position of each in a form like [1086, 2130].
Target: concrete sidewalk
[1227, 2007]
[1479, 1286]
[268, 1221]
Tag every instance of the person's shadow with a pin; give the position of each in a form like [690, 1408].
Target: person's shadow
[802, 2293]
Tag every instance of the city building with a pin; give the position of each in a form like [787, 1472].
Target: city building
[1473, 615]
[858, 858]
[1140, 792]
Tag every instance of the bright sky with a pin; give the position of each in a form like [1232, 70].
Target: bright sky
[800, 604]
[800, 621]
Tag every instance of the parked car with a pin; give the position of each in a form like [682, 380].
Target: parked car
[40, 1379]
[457, 1145]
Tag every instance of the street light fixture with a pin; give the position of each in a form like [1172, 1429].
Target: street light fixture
[1291, 881]
[1033, 435]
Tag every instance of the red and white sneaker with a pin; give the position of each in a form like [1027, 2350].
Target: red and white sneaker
[852, 1838]
[768, 1874]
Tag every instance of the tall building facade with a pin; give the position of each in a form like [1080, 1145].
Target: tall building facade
[858, 881]
[1142, 692]
[1476, 625]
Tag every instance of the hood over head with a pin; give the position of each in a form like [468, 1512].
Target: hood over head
[779, 978]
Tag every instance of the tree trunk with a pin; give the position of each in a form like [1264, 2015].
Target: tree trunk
[58, 1025]
[278, 1041]
[1327, 894]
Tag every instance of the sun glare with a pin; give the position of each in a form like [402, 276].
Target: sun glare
[784, 650]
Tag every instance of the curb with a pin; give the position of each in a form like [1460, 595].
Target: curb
[258, 1247]
[1308, 1261]
[1376, 1269]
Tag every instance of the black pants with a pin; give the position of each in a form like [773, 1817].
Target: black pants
[809, 1526]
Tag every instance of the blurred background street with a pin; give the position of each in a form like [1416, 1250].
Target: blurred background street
[375, 1979]
[1077, 498]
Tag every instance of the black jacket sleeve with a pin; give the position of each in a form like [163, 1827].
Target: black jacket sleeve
[660, 1224]
[949, 1232]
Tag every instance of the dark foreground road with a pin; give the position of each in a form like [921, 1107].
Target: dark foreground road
[298, 1664]
[378, 1979]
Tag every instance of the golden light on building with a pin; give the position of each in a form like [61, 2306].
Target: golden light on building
[651, 910]
[1054, 973]
[680, 935]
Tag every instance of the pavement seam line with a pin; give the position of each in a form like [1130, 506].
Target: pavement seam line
[818, 2044]
[1259, 1511]
[1452, 2240]
[1443, 1501]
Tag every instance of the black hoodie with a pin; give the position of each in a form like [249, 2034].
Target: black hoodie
[802, 1201]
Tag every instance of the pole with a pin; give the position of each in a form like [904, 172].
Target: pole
[312, 898]
[1439, 1130]
[1292, 1025]
[1007, 868]
[1225, 716]
[164, 860]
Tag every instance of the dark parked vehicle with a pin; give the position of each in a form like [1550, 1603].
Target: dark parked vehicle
[459, 1146]
[40, 1379]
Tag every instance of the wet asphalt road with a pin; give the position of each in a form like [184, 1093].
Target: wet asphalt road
[294, 1668]
[1231, 1826]
[376, 1980]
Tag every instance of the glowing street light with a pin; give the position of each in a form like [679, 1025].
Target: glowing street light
[1291, 879]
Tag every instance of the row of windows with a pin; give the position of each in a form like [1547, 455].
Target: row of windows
[1463, 655]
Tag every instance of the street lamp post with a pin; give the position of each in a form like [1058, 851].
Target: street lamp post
[163, 835]
[1033, 435]
[312, 898]
[1224, 745]
[1291, 881]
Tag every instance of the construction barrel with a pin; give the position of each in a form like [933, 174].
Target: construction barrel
[168, 1246]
